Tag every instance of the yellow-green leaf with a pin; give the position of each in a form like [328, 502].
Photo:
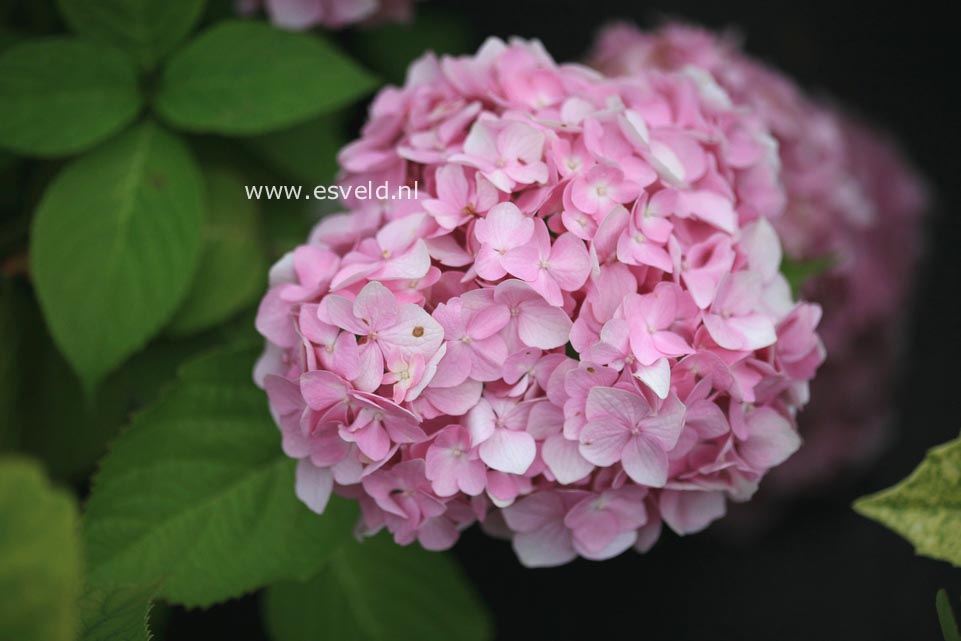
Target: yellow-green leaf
[925, 508]
[39, 556]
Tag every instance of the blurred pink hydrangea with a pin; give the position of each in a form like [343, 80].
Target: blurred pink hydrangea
[577, 333]
[852, 201]
[298, 15]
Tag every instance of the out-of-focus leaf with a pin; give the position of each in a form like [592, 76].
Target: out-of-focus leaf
[389, 49]
[51, 419]
[114, 245]
[242, 78]
[39, 556]
[11, 331]
[306, 153]
[379, 591]
[8, 38]
[71, 434]
[58, 423]
[118, 614]
[949, 625]
[799, 272]
[7, 160]
[62, 95]
[233, 268]
[146, 29]
[198, 495]
[287, 224]
[925, 508]
[45, 413]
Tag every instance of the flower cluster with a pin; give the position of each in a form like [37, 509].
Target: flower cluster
[298, 15]
[852, 203]
[578, 332]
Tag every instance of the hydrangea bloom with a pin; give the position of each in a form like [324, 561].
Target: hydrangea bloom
[577, 333]
[298, 15]
[851, 199]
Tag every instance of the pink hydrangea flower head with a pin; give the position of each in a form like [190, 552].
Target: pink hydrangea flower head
[578, 330]
[853, 203]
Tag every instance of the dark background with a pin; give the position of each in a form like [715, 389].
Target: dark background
[821, 571]
[816, 570]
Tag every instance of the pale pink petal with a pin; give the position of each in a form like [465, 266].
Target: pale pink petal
[665, 426]
[547, 547]
[628, 408]
[656, 376]
[509, 451]
[645, 462]
[339, 311]
[523, 262]
[370, 367]
[375, 304]
[687, 512]
[544, 327]
[322, 390]
[437, 534]
[602, 441]
[454, 401]
[521, 141]
[618, 544]
[564, 459]
[504, 227]
[481, 422]
[570, 264]
[314, 485]
[771, 441]
[372, 441]
[414, 331]
[412, 264]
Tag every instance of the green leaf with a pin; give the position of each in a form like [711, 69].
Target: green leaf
[379, 591]
[146, 29]
[59, 96]
[233, 268]
[249, 78]
[949, 625]
[306, 153]
[114, 245]
[799, 272]
[39, 556]
[118, 614]
[198, 494]
[925, 508]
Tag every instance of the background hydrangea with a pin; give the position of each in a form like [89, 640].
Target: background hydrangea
[332, 14]
[579, 330]
[853, 204]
